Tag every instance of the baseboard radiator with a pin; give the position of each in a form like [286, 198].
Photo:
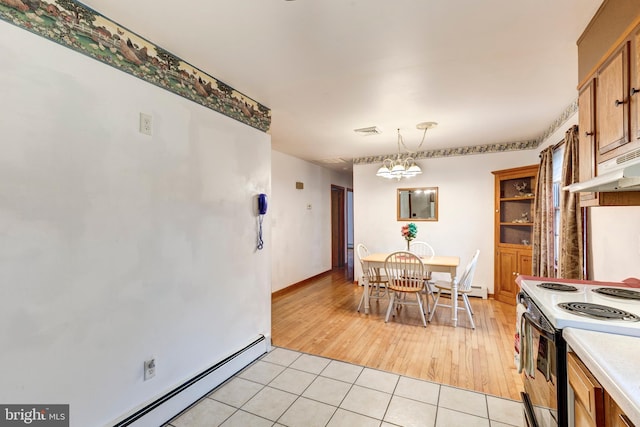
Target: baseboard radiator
[476, 291]
[163, 409]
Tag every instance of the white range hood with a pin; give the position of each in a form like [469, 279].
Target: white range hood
[619, 174]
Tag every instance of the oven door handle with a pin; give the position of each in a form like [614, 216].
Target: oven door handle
[543, 331]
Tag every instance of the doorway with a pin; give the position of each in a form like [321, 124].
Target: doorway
[338, 241]
[342, 230]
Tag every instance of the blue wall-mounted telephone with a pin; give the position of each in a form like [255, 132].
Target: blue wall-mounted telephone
[262, 204]
[262, 210]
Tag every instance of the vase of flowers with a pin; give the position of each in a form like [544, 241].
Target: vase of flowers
[409, 232]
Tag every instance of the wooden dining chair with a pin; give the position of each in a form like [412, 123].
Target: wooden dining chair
[405, 275]
[422, 249]
[464, 289]
[425, 250]
[377, 280]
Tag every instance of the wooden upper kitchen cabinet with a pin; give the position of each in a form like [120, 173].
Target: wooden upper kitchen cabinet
[514, 196]
[617, 100]
[586, 139]
[609, 98]
[612, 112]
[588, 152]
[634, 91]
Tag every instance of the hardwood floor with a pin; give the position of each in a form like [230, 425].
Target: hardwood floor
[320, 318]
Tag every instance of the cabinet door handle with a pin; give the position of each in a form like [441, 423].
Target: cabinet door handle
[619, 103]
[634, 91]
[588, 133]
[626, 421]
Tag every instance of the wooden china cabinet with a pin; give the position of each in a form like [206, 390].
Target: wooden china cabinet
[514, 196]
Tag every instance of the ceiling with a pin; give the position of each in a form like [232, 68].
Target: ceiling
[490, 71]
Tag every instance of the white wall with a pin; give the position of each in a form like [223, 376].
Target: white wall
[116, 246]
[301, 244]
[615, 242]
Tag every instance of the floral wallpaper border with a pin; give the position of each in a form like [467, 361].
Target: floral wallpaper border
[482, 149]
[78, 27]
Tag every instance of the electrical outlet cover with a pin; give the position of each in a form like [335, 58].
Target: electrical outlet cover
[146, 124]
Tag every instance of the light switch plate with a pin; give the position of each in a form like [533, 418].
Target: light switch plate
[149, 369]
[146, 124]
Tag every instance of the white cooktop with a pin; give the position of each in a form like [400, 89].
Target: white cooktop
[548, 300]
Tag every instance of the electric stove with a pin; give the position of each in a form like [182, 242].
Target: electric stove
[579, 305]
[550, 305]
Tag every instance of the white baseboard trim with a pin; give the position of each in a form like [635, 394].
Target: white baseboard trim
[163, 409]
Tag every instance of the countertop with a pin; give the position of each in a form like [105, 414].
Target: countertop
[613, 360]
[631, 282]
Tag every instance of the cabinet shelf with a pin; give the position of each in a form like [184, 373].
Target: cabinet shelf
[515, 246]
[511, 199]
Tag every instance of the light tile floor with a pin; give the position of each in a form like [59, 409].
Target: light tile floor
[288, 388]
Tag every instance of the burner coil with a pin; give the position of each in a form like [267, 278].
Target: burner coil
[597, 311]
[557, 287]
[619, 293]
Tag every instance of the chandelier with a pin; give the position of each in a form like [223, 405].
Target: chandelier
[404, 166]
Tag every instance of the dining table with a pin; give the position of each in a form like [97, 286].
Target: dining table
[433, 264]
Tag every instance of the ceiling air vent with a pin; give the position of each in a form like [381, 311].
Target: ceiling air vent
[371, 130]
[336, 161]
[337, 164]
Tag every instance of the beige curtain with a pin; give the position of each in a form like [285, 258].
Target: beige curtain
[571, 247]
[543, 239]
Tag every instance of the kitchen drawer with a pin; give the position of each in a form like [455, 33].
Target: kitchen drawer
[614, 415]
[589, 394]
